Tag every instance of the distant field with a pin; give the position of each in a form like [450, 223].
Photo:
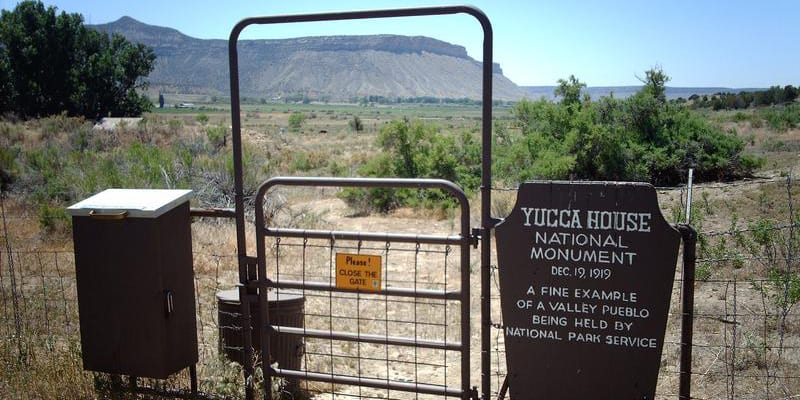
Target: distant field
[399, 110]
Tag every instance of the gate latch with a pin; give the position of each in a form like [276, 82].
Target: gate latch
[475, 236]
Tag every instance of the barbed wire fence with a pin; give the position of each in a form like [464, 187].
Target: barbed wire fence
[746, 341]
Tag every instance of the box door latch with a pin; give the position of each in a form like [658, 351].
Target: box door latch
[169, 307]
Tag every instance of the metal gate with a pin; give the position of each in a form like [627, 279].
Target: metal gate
[375, 334]
[388, 337]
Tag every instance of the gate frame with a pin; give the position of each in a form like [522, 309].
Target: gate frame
[248, 276]
[464, 240]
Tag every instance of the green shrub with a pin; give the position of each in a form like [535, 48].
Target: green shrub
[8, 167]
[57, 124]
[783, 287]
[45, 169]
[201, 118]
[51, 175]
[772, 144]
[296, 120]
[10, 133]
[781, 119]
[308, 160]
[337, 169]
[356, 124]
[740, 116]
[54, 219]
[413, 149]
[174, 126]
[774, 248]
[217, 136]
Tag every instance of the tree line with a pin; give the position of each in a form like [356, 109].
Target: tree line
[773, 96]
[50, 63]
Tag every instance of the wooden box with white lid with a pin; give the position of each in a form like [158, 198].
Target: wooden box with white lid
[133, 264]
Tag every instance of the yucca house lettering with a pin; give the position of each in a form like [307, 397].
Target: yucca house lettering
[593, 219]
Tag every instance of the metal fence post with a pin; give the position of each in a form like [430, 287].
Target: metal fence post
[689, 236]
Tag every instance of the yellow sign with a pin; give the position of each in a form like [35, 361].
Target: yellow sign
[358, 271]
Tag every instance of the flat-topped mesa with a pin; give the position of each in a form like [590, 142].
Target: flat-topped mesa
[335, 68]
[389, 43]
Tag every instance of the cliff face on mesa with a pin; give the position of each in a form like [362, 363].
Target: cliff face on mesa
[335, 67]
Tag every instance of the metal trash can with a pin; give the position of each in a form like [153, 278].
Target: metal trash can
[133, 267]
[285, 309]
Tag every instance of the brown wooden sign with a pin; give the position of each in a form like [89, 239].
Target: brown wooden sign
[586, 272]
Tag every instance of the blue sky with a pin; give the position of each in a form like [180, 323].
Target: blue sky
[728, 43]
